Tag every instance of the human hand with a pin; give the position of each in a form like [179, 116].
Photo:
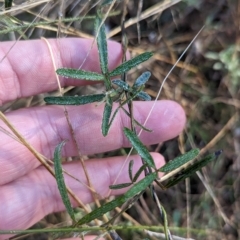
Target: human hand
[28, 191]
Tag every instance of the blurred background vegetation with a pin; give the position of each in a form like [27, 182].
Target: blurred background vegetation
[205, 82]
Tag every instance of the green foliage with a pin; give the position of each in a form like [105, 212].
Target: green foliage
[102, 44]
[78, 100]
[228, 60]
[133, 191]
[111, 94]
[140, 148]
[136, 90]
[118, 90]
[191, 169]
[179, 161]
[107, 116]
[79, 74]
[126, 66]
[60, 180]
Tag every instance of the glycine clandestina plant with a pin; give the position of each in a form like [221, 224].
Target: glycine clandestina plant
[115, 90]
[118, 90]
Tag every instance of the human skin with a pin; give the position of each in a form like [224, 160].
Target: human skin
[27, 191]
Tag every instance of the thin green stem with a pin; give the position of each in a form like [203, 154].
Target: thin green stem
[99, 228]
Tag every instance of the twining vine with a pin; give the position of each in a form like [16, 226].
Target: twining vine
[119, 91]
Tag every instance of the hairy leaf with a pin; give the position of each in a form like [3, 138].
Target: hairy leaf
[141, 185]
[144, 96]
[141, 149]
[134, 190]
[106, 116]
[142, 79]
[79, 74]
[99, 212]
[179, 161]
[60, 180]
[120, 83]
[191, 169]
[126, 66]
[71, 100]
[102, 43]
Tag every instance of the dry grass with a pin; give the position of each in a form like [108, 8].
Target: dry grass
[206, 83]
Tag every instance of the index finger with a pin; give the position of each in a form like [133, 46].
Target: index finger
[27, 69]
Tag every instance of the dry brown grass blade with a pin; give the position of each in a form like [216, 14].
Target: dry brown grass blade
[157, 8]
[24, 6]
[233, 102]
[140, 5]
[69, 31]
[220, 135]
[228, 126]
[216, 202]
[10, 49]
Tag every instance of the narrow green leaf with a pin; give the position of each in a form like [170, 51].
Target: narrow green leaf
[60, 180]
[139, 171]
[130, 168]
[99, 212]
[141, 185]
[179, 161]
[120, 186]
[102, 43]
[79, 74]
[126, 66]
[187, 172]
[106, 116]
[141, 149]
[142, 79]
[138, 187]
[71, 100]
[144, 96]
[120, 83]
[110, 121]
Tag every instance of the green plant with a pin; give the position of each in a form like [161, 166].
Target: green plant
[228, 60]
[112, 94]
[119, 91]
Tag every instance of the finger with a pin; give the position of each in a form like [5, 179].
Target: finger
[30, 198]
[45, 127]
[28, 69]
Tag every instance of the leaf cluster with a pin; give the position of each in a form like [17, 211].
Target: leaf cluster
[139, 187]
[115, 90]
[118, 90]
